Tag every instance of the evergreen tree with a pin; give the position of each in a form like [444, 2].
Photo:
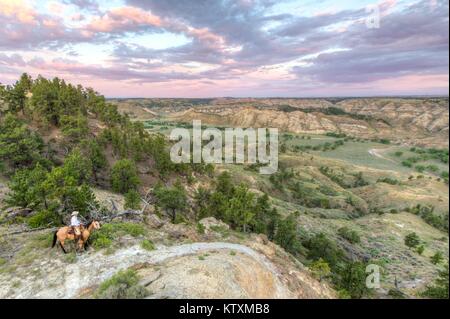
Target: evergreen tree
[437, 258]
[124, 176]
[132, 200]
[266, 218]
[27, 188]
[240, 212]
[18, 145]
[202, 198]
[319, 246]
[440, 288]
[172, 199]
[353, 279]
[287, 235]
[96, 156]
[412, 240]
[16, 96]
[78, 166]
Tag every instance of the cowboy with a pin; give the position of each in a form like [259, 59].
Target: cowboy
[75, 224]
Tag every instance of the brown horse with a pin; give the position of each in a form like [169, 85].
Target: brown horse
[86, 232]
[63, 234]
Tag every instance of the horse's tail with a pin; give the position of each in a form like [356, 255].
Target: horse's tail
[54, 239]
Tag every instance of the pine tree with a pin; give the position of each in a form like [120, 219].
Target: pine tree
[172, 199]
[440, 288]
[132, 200]
[412, 240]
[437, 258]
[124, 176]
[287, 235]
[18, 145]
[353, 279]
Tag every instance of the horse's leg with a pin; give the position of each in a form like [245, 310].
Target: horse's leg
[80, 245]
[61, 243]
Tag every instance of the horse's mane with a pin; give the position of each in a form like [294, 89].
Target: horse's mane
[89, 223]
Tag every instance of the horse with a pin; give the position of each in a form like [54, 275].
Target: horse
[63, 234]
[86, 233]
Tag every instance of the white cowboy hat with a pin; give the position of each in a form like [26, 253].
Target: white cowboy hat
[75, 213]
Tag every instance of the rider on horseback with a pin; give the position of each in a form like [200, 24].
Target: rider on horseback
[75, 224]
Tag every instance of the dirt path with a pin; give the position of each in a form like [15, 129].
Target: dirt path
[377, 153]
[68, 280]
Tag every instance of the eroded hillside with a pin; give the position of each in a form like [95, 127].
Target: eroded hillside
[414, 121]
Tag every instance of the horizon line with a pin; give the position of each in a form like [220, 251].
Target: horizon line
[288, 97]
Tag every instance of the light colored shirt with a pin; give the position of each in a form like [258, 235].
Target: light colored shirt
[74, 221]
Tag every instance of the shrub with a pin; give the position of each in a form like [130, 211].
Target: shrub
[440, 288]
[437, 258]
[320, 246]
[412, 240]
[432, 168]
[407, 163]
[353, 279]
[123, 285]
[104, 237]
[200, 228]
[388, 180]
[350, 235]
[420, 249]
[320, 269]
[43, 218]
[420, 168]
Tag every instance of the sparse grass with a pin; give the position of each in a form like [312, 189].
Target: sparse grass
[200, 229]
[221, 230]
[203, 257]
[148, 245]
[71, 257]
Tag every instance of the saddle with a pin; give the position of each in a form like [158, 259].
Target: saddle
[76, 231]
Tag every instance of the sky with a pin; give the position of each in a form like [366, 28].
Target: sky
[230, 48]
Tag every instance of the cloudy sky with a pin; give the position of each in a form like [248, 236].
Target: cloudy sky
[208, 48]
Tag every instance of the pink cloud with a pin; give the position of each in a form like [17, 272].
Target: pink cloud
[19, 10]
[123, 19]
